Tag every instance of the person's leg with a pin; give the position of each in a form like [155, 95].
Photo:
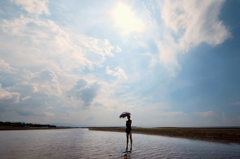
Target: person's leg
[127, 135]
[131, 140]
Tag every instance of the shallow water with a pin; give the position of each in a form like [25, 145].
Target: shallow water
[82, 143]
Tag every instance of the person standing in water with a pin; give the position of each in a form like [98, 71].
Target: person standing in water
[128, 132]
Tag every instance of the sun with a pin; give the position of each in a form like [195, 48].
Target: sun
[125, 19]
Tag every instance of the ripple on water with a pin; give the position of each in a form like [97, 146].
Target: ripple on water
[81, 143]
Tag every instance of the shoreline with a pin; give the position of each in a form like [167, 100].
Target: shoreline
[219, 135]
[9, 128]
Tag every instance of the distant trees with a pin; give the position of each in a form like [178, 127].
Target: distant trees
[21, 124]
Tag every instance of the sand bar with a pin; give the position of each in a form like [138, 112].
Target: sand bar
[222, 135]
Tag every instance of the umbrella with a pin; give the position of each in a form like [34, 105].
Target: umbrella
[124, 114]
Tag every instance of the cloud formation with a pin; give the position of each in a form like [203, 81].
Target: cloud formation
[188, 24]
[5, 95]
[34, 6]
[77, 63]
[119, 73]
[50, 42]
[5, 67]
[84, 91]
[47, 82]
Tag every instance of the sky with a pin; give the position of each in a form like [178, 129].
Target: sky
[169, 63]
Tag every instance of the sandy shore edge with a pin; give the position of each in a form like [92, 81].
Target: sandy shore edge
[220, 135]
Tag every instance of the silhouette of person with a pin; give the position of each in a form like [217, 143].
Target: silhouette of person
[128, 132]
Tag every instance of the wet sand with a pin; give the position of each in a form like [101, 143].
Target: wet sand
[221, 135]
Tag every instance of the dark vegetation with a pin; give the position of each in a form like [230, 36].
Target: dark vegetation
[20, 124]
[25, 126]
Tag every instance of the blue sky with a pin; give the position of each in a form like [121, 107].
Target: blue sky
[169, 63]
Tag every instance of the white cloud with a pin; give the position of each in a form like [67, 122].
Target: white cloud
[52, 44]
[47, 59]
[188, 24]
[168, 54]
[25, 98]
[119, 73]
[97, 50]
[118, 49]
[205, 114]
[100, 47]
[5, 67]
[44, 82]
[26, 88]
[10, 96]
[47, 82]
[153, 59]
[34, 6]
[108, 71]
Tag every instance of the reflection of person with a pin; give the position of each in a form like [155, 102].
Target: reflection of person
[128, 132]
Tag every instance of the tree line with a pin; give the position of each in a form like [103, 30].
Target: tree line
[22, 124]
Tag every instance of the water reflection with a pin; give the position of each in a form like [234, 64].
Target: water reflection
[81, 143]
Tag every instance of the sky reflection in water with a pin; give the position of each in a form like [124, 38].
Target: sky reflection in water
[82, 143]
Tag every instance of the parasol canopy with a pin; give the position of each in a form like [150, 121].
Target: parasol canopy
[124, 114]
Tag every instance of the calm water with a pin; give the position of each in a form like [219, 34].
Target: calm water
[82, 143]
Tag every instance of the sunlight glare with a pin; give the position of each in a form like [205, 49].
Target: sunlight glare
[126, 20]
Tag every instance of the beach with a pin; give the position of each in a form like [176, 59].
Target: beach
[221, 135]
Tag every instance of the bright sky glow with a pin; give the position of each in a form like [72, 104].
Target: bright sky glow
[125, 19]
[83, 63]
